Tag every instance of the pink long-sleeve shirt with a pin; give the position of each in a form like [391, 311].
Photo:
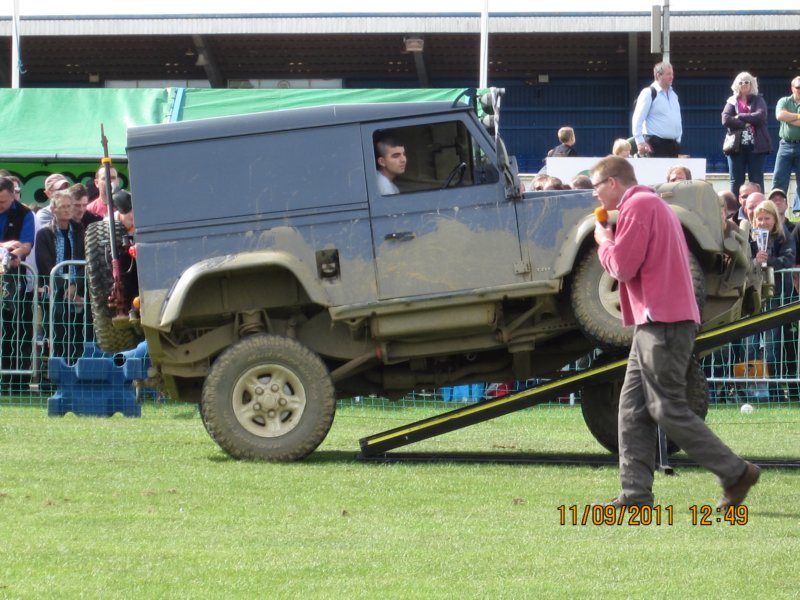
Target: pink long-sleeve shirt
[650, 259]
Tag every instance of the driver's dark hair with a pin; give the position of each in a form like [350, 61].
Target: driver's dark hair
[617, 167]
[383, 143]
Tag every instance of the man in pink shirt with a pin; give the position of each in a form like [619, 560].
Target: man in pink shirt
[648, 256]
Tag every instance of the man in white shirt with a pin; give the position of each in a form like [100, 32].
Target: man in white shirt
[656, 122]
[390, 157]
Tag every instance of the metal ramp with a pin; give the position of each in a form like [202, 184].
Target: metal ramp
[613, 369]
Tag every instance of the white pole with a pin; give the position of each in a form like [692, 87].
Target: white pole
[484, 57]
[665, 41]
[15, 45]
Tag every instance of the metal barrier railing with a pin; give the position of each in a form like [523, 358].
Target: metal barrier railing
[19, 321]
[762, 367]
[44, 322]
[39, 322]
[68, 316]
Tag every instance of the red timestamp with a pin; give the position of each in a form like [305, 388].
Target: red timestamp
[615, 515]
[705, 515]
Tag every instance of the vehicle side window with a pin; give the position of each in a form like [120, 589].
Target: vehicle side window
[428, 157]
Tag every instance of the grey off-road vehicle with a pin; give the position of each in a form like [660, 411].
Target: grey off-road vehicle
[275, 278]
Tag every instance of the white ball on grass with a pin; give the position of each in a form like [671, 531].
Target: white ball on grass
[746, 409]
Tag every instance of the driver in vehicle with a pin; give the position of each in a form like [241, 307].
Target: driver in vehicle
[390, 157]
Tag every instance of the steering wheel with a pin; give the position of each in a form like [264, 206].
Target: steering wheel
[459, 170]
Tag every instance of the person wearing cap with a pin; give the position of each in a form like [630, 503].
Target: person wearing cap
[52, 184]
[124, 209]
[778, 196]
[99, 206]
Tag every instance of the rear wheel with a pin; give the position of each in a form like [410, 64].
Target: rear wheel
[269, 398]
[600, 406]
[101, 282]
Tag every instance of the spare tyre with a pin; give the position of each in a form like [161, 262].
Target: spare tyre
[100, 281]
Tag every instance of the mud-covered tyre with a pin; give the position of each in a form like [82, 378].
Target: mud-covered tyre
[100, 282]
[595, 300]
[600, 406]
[268, 398]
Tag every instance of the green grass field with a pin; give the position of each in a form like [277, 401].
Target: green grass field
[151, 508]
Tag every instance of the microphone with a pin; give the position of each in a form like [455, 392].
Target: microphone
[601, 214]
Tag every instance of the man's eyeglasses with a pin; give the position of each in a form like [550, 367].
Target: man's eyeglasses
[599, 183]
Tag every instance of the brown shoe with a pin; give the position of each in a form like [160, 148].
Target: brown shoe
[617, 502]
[735, 495]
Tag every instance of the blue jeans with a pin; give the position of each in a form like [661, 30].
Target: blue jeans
[787, 161]
[746, 161]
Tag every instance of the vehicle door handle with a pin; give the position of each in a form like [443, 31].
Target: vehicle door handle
[400, 236]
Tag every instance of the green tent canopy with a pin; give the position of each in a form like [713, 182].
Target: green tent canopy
[64, 124]
[58, 130]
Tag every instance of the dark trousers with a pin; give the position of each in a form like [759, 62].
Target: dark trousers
[16, 329]
[67, 327]
[654, 394]
[787, 161]
[663, 148]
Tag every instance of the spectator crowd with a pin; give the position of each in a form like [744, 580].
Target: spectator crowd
[42, 275]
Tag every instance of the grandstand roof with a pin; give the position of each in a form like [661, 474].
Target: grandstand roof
[61, 50]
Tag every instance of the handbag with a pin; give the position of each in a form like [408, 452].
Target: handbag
[732, 142]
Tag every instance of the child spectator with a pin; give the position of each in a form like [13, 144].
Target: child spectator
[622, 147]
[566, 135]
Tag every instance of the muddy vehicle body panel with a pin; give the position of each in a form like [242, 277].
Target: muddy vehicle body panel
[273, 225]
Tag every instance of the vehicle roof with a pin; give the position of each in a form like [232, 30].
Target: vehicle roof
[283, 120]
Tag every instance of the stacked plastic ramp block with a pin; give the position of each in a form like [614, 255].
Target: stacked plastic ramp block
[99, 383]
[463, 393]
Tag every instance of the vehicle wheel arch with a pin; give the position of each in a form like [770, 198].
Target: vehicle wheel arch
[251, 266]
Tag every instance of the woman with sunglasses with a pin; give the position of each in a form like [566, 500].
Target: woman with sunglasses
[746, 112]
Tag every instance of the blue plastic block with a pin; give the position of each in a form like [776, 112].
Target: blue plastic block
[477, 390]
[99, 383]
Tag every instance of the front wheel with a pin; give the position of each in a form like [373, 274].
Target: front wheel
[595, 298]
[268, 398]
